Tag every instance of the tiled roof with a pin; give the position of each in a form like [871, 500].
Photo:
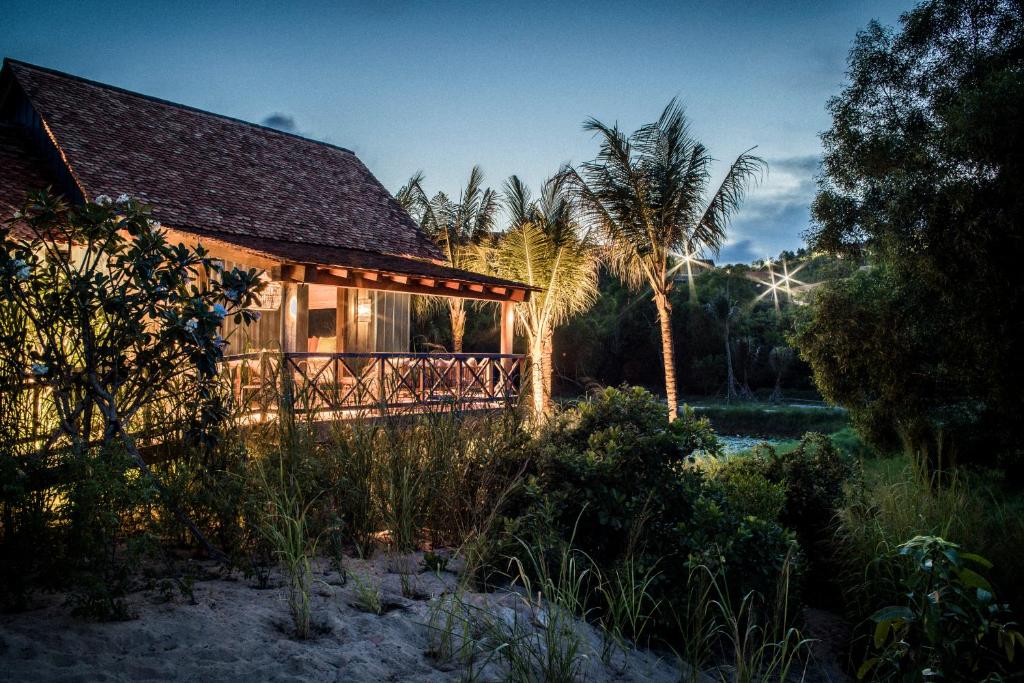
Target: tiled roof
[204, 171]
[22, 170]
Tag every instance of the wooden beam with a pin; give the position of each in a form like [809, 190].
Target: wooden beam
[400, 279]
[476, 288]
[500, 291]
[222, 250]
[369, 275]
[299, 272]
[453, 284]
[356, 280]
[518, 295]
[340, 272]
[427, 282]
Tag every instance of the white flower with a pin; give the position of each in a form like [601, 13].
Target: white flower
[17, 215]
[40, 369]
[154, 225]
[103, 200]
[219, 310]
[191, 324]
[123, 198]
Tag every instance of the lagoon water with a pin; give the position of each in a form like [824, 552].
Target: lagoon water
[738, 444]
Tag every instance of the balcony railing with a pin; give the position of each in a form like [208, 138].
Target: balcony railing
[338, 385]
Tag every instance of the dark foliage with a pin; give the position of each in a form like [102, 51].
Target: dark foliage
[618, 478]
[923, 170]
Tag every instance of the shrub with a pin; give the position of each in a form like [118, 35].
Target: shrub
[619, 479]
[614, 463]
[742, 483]
[949, 626]
[813, 477]
[890, 504]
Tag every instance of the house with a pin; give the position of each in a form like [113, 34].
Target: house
[341, 258]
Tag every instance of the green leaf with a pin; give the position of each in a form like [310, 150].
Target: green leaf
[971, 578]
[893, 613]
[977, 559]
[881, 633]
[866, 667]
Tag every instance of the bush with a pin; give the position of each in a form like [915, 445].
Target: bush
[741, 482]
[890, 504]
[948, 626]
[812, 477]
[617, 478]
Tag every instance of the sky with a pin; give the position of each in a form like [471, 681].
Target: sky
[438, 87]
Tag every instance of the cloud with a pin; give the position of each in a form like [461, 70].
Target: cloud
[282, 122]
[742, 251]
[776, 213]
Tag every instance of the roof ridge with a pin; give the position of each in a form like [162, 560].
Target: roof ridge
[176, 105]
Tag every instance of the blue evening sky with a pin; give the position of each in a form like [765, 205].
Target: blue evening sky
[439, 87]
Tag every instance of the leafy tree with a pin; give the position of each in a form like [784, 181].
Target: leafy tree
[115, 321]
[458, 227]
[545, 248]
[648, 193]
[922, 171]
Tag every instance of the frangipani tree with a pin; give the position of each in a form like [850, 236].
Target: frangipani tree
[457, 227]
[545, 248]
[648, 193]
[113, 320]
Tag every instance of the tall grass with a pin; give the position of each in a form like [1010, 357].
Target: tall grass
[284, 524]
[432, 479]
[749, 642]
[892, 504]
[351, 449]
[553, 596]
[627, 606]
[761, 643]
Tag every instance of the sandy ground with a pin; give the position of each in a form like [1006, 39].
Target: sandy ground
[234, 631]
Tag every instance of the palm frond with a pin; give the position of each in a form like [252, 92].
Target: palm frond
[711, 230]
[411, 196]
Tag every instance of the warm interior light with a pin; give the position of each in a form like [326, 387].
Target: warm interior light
[364, 309]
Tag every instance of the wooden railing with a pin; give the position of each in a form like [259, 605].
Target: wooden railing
[350, 384]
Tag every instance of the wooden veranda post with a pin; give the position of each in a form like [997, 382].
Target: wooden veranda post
[295, 321]
[508, 321]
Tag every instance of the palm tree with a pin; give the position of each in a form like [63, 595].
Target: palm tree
[648, 193]
[724, 311]
[457, 227]
[545, 248]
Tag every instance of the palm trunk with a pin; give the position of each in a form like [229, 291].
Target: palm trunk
[549, 342]
[457, 311]
[537, 375]
[667, 353]
[730, 376]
